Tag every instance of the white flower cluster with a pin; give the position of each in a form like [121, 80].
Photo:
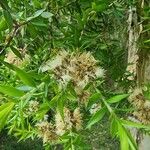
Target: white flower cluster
[33, 107]
[79, 68]
[46, 131]
[70, 120]
[141, 105]
[50, 132]
[94, 108]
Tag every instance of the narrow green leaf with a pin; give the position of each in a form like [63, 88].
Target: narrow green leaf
[44, 108]
[46, 15]
[8, 19]
[47, 106]
[10, 66]
[123, 138]
[117, 98]
[99, 7]
[36, 14]
[3, 24]
[71, 90]
[135, 124]
[131, 141]
[114, 127]
[54, 101]
[16, 52]
[97, 117]
[5, 110]
[60, 106]
[147, 41]
[4, 4]
[2, 107]
[70, 97]
[11, 91]
[39, 23]
[93, 99]
[25, 77]
[25, 88]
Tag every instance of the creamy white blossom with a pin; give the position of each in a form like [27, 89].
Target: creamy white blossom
[63, 124]
[99, 72]
[46, 131]
[77, 119]
[33, 107]
[94, 108]
[52, 64]
[71, 120]
[66, 78]
[79, 68]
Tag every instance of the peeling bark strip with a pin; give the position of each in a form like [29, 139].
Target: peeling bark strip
[139, 67]
[132, 43]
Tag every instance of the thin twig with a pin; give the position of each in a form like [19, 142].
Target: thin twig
[13, 34]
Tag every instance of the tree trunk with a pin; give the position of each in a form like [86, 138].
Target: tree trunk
[139, 67]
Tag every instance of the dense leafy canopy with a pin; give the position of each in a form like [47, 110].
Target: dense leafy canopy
[32, 35]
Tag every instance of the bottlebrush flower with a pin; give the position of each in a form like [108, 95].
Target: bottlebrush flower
[33, 107]
[142, 106]
[77, 119]
[63, 124]
[79, 68]
[94, 108]
[46, 132]
[71, 120]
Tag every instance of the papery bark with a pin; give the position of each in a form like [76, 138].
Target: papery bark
[138, 63]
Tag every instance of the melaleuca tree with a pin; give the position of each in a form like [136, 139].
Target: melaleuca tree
[138, 58]
[63, 69]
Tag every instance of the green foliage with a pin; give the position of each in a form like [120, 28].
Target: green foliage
[96, 117]
[117, 98]
[24, 77]
[5, 110]
[10, 91]
[41, 29]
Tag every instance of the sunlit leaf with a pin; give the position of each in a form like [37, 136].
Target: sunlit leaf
[24, 88]
[25, 77]
[5, 110]
[147, 41]
[3, 24]
[97, 117]
[93, 99]
[44, 108]
[46, 15]
[60, 106]
[131, 141]
[135, 124]
[99, 7]
[117, 98]
[124, 145]
[36, 14]
[11, 91]
[114, 127]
